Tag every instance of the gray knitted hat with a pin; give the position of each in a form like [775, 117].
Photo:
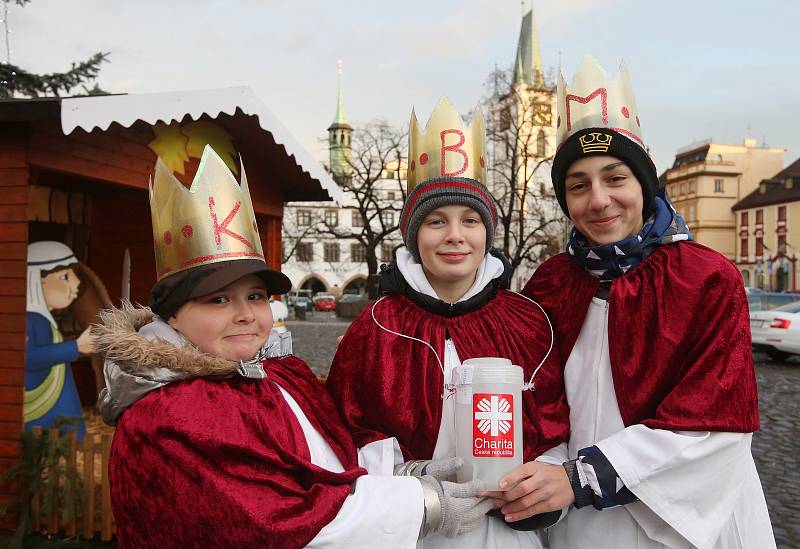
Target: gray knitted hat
[445, 191]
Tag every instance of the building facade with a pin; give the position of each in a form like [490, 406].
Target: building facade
[317, 260]
[707, 179]
[768, 232]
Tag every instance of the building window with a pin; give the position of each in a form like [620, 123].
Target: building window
[691, 214]
[781, 213]
[358, 253]
[744, 219]
[683, 188]
[332, 218]
[505, 119]
[541, 148]
[692, 187]
[303, 218]
[305, 251]
[356, 220]
[759, 246]
[390, 195]
[386, 252]
[743, 247]
[782, 244]
[387, 218]
[331, 252]
[719, 186]
[759, 217]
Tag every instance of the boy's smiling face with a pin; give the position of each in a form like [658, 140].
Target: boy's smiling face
[232, 323]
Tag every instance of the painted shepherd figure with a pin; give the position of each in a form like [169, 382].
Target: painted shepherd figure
[221, 443]
[445, 300]
[659, 370]
[50, 390]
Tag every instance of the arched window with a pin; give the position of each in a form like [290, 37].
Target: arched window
[541, 148]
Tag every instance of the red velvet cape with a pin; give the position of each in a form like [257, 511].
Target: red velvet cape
[678, 336]
[224, 463]
[389, 386]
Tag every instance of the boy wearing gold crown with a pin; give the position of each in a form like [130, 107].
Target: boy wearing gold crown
[218, 442]
[445, 300]
[658, 366]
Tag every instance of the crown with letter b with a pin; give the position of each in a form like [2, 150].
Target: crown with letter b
[210, 222]
[594, 101]
[446, 147]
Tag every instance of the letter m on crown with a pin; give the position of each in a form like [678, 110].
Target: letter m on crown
[602, 92]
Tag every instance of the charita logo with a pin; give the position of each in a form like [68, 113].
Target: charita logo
[493, 425]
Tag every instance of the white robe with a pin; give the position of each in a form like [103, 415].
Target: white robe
[383, 510]
[696, 489]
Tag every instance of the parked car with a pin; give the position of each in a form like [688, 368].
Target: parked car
[348, 298]
[777, 331]
[764, 301]
[324, 303]
[303, 301]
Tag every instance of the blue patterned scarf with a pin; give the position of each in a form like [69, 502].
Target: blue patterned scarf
[609, 261]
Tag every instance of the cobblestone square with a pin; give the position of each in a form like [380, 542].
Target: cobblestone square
[776, 447]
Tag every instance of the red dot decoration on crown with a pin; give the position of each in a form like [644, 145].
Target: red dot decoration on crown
[558, 122]
[167, 237]
[625, 112]
[637, 122]
[423, 159]
[413, 165]
[187, 231]
[483, 163]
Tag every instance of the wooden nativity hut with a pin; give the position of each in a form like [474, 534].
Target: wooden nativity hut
[77, 170]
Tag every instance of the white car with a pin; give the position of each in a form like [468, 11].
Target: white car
[777, 331]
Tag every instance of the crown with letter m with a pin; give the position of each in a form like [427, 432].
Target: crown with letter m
[594, 101]
[210, 222]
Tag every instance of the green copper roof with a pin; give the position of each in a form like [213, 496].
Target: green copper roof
[340, 118]
[528, 67]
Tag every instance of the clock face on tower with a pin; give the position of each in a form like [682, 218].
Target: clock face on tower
[542, 114]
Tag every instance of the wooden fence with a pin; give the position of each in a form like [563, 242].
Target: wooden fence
[90, 459]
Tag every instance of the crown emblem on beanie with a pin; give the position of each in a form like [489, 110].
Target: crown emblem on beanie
[446, 148]
[210, 222]
[595, 142]
[593, 101]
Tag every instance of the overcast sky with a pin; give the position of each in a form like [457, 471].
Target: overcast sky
[721, 69]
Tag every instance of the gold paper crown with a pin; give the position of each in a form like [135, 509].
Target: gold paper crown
[592, 101]
[446, 148]
[212, 221]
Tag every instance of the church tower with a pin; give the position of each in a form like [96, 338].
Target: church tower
[339, 133]
[528, 66]
[531, 88]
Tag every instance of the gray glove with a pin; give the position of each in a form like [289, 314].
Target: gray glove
[452, 508]
[441, 469]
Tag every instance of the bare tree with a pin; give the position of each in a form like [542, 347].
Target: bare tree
[374, 191]
[520, 148]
